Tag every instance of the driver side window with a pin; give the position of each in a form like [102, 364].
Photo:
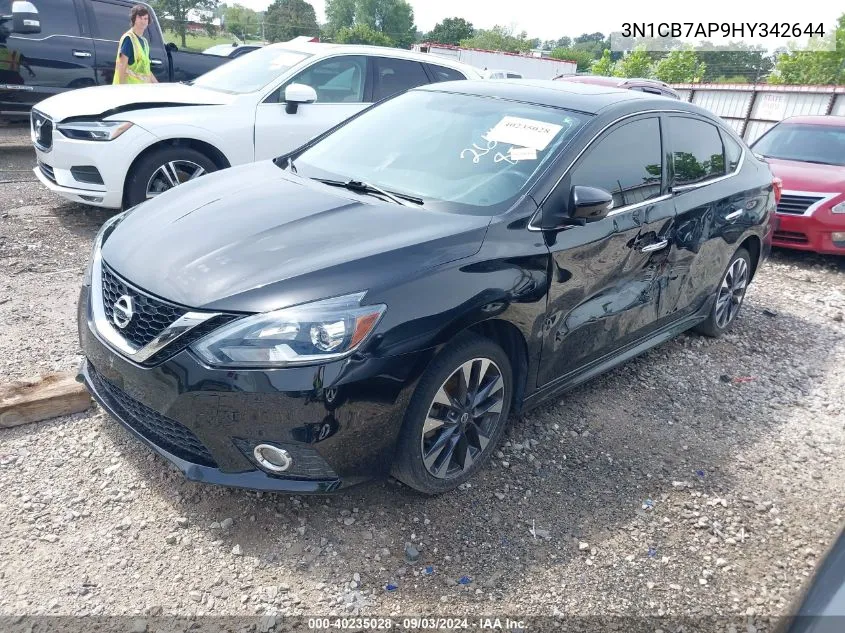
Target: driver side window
[627, 163]
[335, 80]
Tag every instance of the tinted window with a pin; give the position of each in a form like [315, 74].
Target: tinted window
[111, 21]
[811, 143]
[627, 163]
[336, 80]
[732, 151]
[397, 75]
[58, 17]
[441, 73]
[697, 150]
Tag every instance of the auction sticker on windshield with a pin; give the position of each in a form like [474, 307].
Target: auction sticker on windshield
[523, 132]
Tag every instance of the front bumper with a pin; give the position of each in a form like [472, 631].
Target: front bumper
[58, 167]
[339, 421]
[810, 232]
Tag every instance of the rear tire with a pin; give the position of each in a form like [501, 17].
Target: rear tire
[729, 296]
[456, 416]
[162, 169]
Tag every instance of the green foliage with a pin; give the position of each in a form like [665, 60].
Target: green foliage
[174, 13]
[604, 65]
[361, 34]
[749, 63]
[814, 66]
[637, 63]
[241, 21]
[451, 31]
[393, 19]
[583, 58]
[499, 38]
[287, 19]
[680, 67]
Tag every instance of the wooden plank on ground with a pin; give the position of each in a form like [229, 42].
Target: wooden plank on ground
[42, 398]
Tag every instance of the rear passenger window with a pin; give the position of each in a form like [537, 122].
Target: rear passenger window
[111, 21]
[627, 163]
[57, 17]
[441, 73]
[397, 75]
[696, 149]
[733, 151]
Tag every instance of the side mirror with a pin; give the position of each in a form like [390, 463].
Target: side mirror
[589, 203]
[25, 18]
[170, 46]
[296, 94]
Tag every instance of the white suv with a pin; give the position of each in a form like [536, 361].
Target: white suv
[116, 146]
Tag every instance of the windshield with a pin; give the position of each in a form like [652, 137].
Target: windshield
[251, 72]
[807, 143]
[457, 152]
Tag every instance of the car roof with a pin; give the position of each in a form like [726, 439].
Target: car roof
[326, 48]
[584, 97]
[829, 120]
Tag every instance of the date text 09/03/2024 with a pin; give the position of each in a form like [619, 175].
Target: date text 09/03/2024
[416, 623]
[723, 29]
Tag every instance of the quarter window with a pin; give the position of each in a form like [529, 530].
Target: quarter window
[441, 73]
[627, 162]
[732, 151]
[697, 150]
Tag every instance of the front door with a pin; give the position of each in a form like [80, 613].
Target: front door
[342, 90]
[608, 275]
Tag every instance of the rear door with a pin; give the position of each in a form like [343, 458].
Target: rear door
[392, 76]
[109, 21]
[34, 66]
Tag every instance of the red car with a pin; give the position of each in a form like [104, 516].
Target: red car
[808, 154]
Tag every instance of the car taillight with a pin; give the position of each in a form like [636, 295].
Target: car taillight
[777, 184]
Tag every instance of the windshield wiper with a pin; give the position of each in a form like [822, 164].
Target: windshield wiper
[360, 186]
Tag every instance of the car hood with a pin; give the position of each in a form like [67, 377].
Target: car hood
[255, 238]
[102, 101]
[798, 176]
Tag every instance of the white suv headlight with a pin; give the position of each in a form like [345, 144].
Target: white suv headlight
[839, 208]
[310, 333]
[94, 130]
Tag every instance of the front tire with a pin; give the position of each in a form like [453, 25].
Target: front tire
[164, 169]
[729, 296]
[456, 416]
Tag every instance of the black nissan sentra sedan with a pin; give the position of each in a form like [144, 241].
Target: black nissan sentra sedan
[382, 299]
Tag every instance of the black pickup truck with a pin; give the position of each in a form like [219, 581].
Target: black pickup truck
[49, 46]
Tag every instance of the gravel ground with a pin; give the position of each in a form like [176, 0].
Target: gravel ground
[705, 477]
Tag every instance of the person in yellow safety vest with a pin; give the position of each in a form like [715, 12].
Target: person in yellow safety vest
[132, 65]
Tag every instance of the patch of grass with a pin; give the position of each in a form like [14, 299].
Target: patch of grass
[198, 43]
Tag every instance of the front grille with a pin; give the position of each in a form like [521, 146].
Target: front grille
[42, 130]
[790, 237]
[156, 428]
[151, 316]
[796, 205]
[48, 172]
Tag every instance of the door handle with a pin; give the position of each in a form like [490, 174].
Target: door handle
[734, 215]
[156, 62]
[657, 246]
[81, 54]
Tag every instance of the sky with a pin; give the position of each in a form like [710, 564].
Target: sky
[552, 19]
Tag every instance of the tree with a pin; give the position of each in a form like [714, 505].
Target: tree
[734, 60]
[604, 65]
[451, 31]
[287, 19]
[635, 64]
[392, 18]
[583, 58]
[564, 42]
[680, 67]
[240, 21]
[175, 13]
[499, 38]
[814, 65]
[361, 34]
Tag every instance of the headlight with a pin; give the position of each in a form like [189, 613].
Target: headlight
[311, 333]
[839, 208]
[94, 130]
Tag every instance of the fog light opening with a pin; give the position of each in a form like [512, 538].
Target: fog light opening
[272, 458]
[838, 238]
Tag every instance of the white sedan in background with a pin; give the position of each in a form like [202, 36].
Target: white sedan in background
[116, 146]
